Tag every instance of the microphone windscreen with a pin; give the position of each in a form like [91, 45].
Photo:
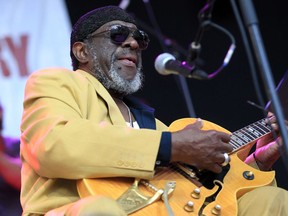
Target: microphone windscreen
[161, 61]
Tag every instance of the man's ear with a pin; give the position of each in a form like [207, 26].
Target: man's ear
[80, 52]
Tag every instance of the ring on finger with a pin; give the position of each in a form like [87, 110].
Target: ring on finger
[226, 159]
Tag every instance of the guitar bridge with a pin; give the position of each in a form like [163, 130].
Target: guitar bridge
[133, 200]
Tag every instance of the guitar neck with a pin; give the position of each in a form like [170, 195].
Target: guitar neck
[249, 134]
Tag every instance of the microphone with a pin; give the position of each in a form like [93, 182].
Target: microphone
[166, 64]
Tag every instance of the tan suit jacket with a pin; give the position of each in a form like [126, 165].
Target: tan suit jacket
[72, 129]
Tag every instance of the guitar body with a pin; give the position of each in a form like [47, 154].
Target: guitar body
[239, 179]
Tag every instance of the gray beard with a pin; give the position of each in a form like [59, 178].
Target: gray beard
[116, 82]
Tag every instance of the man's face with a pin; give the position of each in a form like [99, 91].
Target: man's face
[118, 66]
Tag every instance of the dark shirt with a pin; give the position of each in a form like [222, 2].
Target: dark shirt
[144, 116]
[10, 197]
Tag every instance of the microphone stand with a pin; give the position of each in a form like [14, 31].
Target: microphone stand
[250, 19]
[204, 17]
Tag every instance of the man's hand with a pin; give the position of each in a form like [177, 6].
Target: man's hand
[268, 148]
[203, 149]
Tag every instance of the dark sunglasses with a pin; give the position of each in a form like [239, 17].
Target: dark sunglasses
[119, 33]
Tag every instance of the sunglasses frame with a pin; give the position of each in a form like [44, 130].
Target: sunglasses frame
[140, 36]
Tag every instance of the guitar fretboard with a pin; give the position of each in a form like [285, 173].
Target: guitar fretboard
[250, 133]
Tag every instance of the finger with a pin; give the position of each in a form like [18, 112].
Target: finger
[221, 158]
[278, 142]
[226, 137]
[216, 168]
[275, 126]
[225, 148]
[197, 124]
[270, 119]
[270, 114]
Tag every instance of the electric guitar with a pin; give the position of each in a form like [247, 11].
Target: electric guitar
[183, 190]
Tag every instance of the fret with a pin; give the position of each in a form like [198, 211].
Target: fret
[260, 130]
[249, 134]
[238, 140]
[234, 144]
[254, 132]
[262, 126]
[242, 136]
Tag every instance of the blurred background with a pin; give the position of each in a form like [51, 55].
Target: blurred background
[222, 100]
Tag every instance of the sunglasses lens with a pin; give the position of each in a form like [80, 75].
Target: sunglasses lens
[142, 38]
[119, 34]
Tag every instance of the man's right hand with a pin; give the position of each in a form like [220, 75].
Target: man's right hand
[203, 149]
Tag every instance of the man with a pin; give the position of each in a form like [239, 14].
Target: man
[10, 173]
[84, 124]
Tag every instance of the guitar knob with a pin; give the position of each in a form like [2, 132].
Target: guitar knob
[196, 193]
[189, 207]
[249, 175]
[216, 210]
